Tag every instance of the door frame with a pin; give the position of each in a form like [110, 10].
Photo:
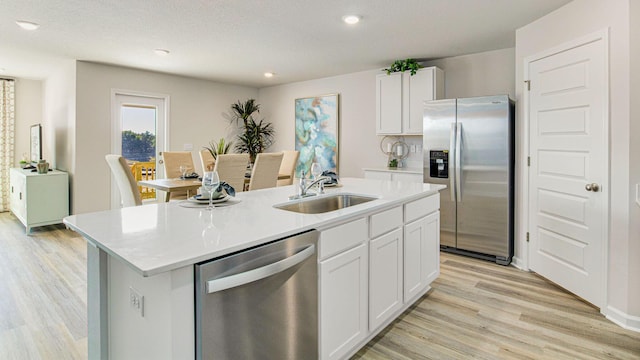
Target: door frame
[523, 197]
[115, 118]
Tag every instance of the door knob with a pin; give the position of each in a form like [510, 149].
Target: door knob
[592, 187]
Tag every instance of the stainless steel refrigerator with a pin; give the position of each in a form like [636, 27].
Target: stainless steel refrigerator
[468, 145]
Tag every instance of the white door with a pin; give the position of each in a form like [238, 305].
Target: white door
[138, 133]
[568, 117]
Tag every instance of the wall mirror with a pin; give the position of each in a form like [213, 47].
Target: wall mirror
[36, 143]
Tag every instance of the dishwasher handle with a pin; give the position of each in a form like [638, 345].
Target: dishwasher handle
[243, 278]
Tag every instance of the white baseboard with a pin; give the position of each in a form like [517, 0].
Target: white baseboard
[623, 319]
[518, 264]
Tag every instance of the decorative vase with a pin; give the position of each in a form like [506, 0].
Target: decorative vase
[42, 166]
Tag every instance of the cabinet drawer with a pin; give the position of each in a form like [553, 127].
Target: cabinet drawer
[419, 208]
[385, 221]
[341, 238]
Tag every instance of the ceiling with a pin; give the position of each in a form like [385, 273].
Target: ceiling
[236, 41]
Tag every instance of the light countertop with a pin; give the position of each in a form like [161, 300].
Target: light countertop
[161, 237]
[408, 170]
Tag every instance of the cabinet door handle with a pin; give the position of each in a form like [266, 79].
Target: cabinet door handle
[20, 196]
[12, 189]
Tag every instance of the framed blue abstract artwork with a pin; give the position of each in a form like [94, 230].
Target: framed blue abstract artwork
[317, 132]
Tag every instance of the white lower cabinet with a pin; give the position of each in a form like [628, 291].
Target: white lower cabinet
[421, 257]
[372, 269]
[343, 302]
[393, 175]
[343, 269]
[385, 277]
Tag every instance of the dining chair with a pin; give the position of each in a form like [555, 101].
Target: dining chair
[172, 161]
[231, 169]
[265, 171]
[288, 166]
[206, 160]
[124, 179]
[144, 171]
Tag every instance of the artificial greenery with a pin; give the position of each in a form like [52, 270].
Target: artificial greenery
[393, 163]
[403, 65]
[220, 147]
[256, 136]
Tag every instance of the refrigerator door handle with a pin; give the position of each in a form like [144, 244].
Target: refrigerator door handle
[452, 166]
[458, 164]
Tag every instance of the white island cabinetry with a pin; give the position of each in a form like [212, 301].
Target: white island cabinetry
[156, 263]
[385, 274]
[421, 245]
[343, 288]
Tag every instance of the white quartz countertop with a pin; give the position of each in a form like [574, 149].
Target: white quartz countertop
[408, 170]
[161, 237]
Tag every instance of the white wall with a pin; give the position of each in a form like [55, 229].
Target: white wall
[358, 144]
[195, 117]
[58, 118]
[487, 73]
[634, 154]
[575, 20]
[470, 75]
[28, 112]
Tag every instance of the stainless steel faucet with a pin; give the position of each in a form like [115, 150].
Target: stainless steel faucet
[303, 187]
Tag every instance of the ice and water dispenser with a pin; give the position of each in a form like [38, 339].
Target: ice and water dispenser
[439, 164]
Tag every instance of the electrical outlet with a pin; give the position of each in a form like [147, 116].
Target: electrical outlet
[419, 148]
[413, 148]
[638, 194]
[136, 301]
[187, 147]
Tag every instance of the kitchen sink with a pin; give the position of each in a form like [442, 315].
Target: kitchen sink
[325, 203]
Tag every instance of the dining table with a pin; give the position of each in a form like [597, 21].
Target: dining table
[172, 185]
[188, 185]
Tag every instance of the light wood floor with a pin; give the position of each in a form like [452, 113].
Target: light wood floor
[476, 309]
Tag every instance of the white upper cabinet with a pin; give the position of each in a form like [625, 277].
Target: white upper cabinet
[389, 103]
[400, 100]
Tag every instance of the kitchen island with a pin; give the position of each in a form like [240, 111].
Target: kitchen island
[141, 262]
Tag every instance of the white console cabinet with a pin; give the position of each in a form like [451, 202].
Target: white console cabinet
[39, 199]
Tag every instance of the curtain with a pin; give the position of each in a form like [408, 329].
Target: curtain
[7, 131]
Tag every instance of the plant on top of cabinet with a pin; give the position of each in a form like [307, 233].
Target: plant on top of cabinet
[403, 65]
[255, 136]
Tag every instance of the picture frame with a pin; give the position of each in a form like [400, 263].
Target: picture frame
[36, 143]
[317, 132]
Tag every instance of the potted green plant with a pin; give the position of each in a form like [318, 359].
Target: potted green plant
[220, 147]
[255, 136]
[403, 65]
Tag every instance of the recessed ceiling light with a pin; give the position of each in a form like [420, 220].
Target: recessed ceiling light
[27, 25]
[351, 19]
[2, 70]
[162, 52]
[269, 74]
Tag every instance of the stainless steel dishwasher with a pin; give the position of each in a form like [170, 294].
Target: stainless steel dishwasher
[261, 303]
